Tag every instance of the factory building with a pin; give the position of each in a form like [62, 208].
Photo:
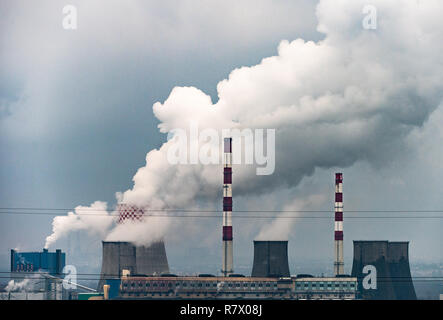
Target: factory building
[41, 270]
[237, 287]
[45, 261]
[326, 288]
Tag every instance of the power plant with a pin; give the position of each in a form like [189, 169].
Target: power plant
[270, 276]
[142, 272]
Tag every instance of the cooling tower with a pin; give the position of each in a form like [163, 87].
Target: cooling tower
[270, 259]
[392, 265]
[400, 272]
[137, 259]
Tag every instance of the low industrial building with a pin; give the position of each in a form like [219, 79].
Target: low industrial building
[42, 271]
[236, 287]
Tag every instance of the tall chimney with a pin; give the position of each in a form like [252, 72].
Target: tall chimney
[228, 260]
[338, 234]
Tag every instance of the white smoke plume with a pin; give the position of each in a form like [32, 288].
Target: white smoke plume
[353, 96]
[94, 219]
[14, 286]
[140, 233]
[282, 226]
[31, 283]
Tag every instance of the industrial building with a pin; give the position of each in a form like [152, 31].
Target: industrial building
[270, 280]
[237, 287]
[41, 270]
[45, 261]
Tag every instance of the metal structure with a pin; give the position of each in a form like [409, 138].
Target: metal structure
[228, 260]
[119, 256]
[338, 226]
[391, 262]
[270, 259]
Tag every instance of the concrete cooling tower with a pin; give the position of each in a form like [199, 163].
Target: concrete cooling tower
[391, 260]
[398, 259]
[270, 259]
[118, 256]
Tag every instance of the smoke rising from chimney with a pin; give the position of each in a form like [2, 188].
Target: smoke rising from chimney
[353, 96]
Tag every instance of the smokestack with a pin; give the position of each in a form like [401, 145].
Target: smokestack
[270, 259]
[228, 260]
[338, 226]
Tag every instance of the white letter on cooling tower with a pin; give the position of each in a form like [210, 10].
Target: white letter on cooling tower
[260, 157]
[71, 278]
[370, 20]
[178, 150]
[370, 281]
[69, 22]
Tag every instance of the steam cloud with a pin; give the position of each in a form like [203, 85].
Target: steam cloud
[353, 96]
[94, 219]
[281, 227]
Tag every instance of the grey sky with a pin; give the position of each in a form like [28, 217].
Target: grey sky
[76, 117]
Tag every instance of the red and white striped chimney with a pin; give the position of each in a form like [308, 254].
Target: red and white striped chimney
[338, 234]
[228, 260]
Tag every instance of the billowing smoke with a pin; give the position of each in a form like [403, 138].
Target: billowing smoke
[353, 96]
[94, 219]
[30, 283]
[14, 285]
[140, 233]
[282, 226]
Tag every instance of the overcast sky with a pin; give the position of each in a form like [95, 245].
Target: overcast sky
[76, 120]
